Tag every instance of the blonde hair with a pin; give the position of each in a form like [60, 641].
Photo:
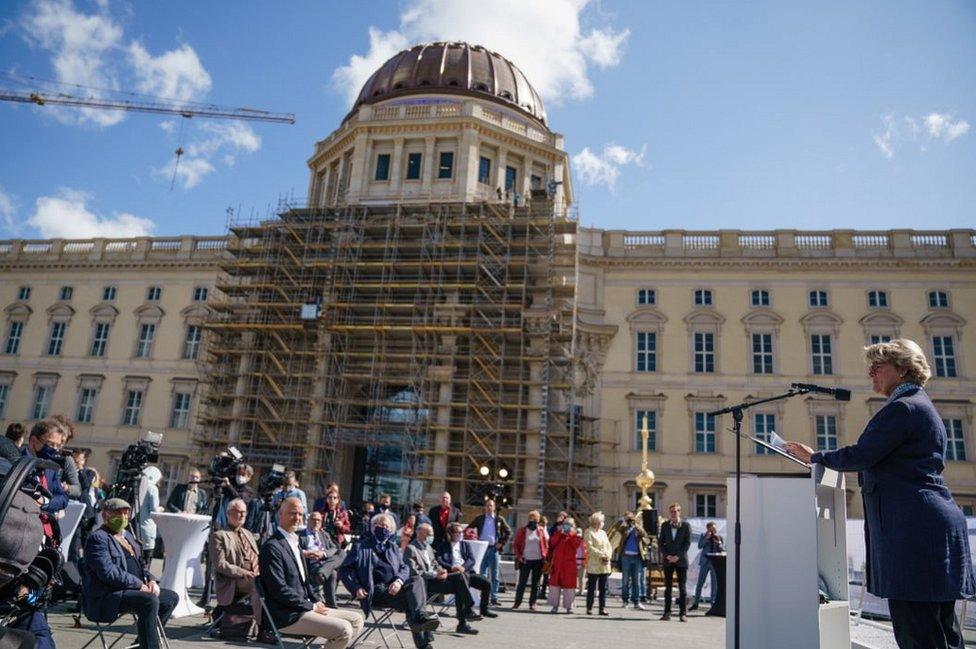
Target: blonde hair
[597, 517]
[904, 354]
[570, 520]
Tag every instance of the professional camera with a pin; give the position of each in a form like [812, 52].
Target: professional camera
[271, 481]
[135, 458]
[225, 465]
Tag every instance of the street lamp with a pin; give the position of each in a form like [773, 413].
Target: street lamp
[495, 486]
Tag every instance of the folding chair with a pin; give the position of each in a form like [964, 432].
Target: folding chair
[442, 607]
[267, 619]
[101, 628]
[376, 626]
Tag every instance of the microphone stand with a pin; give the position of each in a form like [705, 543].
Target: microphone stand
[737, 411]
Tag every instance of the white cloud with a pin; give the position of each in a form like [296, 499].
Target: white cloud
[604, 168]
[188, 171]
[66, 215]
[223, 140]
[7, 208]
[555, 59]
[920, 131]
[89, 50]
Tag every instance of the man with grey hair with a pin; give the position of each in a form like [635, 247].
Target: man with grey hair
[423, 563]
[376, 574]
[234, 554]
[291, 601]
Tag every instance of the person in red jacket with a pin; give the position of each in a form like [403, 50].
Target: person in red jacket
[563, 546]
[531, 545]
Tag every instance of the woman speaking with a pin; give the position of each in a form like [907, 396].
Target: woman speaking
[915, 534]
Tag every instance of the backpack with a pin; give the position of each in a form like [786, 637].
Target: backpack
[236, 622]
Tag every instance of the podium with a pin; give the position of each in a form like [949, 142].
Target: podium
[794, 538]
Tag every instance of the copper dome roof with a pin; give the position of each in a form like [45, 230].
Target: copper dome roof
[456, 68]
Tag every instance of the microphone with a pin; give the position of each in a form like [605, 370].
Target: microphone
[840, 394]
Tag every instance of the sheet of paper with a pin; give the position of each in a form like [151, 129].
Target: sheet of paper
[777, 441]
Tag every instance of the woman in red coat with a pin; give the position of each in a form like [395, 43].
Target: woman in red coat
[563, 545]
[335, 517]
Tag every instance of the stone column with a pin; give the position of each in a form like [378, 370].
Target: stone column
[396, 166]
[358, 179]
[429, 171]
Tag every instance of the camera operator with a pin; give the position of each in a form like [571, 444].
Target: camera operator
[239, 489]
[115, 580]
[45, 438]
[188, 498]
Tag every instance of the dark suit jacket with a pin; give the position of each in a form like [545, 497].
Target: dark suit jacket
[105, 575]
[434, 513]
[910, 518]
[677, 546]
[286, 594]
[502, 530]
[174, 504]
[446, 558]
[356, 570]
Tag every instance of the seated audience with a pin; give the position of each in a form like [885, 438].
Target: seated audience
[455, 556]
[115, 581]
[234, 554]
[423, 562]
[291, 601]
[324, 558]
[377, 576]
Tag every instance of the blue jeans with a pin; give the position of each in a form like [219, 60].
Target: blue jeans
[706, 569]
[490, 569]
[643, 581]
[630, 566]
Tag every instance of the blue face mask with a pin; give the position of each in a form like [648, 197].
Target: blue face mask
[566, 528]
[47, 452]
[381, 534]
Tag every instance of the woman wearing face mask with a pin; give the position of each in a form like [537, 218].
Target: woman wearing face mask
[531, 545]
[562, 580]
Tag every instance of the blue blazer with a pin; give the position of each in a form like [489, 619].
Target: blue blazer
[286, 594]
[356, 570]
[916, 536]
[105, 576]
[446, 558]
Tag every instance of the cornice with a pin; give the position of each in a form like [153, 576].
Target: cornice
[113, 264]
[806, 263]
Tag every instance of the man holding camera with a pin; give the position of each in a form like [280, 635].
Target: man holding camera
[630, 543]
[116, 582]
[44, 441]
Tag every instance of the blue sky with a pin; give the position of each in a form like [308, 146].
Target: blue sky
[696, 115]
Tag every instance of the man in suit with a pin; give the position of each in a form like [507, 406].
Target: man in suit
[441, 516]
[495, 530]
[420, 556]
[674, 540]
[289, 596]
[324, 557]
[45, 439]
[115, 582]
[455, 556]
[188, 498]
[234, 554]
[377, 576]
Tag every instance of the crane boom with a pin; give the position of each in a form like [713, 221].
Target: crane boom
[160, 108]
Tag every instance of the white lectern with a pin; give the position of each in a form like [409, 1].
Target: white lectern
[794, 537]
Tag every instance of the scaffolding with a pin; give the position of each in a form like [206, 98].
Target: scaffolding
[443, 329]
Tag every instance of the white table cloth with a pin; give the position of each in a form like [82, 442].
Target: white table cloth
[69, 525]
[478, 549]
[184, 536]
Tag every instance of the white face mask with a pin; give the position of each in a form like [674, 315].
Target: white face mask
[241, 479]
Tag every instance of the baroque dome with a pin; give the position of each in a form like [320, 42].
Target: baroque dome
[452, 68]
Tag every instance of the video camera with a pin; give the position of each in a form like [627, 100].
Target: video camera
[224, 466]
[135, 458]
[271, 481]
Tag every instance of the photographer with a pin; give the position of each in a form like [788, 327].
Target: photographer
[238, 488]
[45, 438]
[188, 498]
[115, 580]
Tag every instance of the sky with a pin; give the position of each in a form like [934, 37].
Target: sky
[697, 115]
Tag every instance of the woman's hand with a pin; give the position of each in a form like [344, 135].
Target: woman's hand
[800, 451]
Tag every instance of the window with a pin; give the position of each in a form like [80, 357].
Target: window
[535, 181]
[180, 417]
[147, 332]
[826, 432]
[4, 393]
[66, 293]
[706, 505]
[86, 405]
[109, 293]
[646, 351]
[200, 294]
[414, 165]
[704, 433]
[445, 166]
[820, 351]
[56, 340]
[646, 296]
[704, 351]
[818, 298]
[100, 339]
[42, 398]
[382, 167]
[764, 423]
[703, 297]
[639, 416]
[944, 356]
[24, 293]
[14, 333]
[511, 176]
[877, 299]
[133, 408]
[760, 298]
[762, 353]
[484, 170]
[875, 339]
[955, 442]
[937, 299]
[191, 344]
[154, 294]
